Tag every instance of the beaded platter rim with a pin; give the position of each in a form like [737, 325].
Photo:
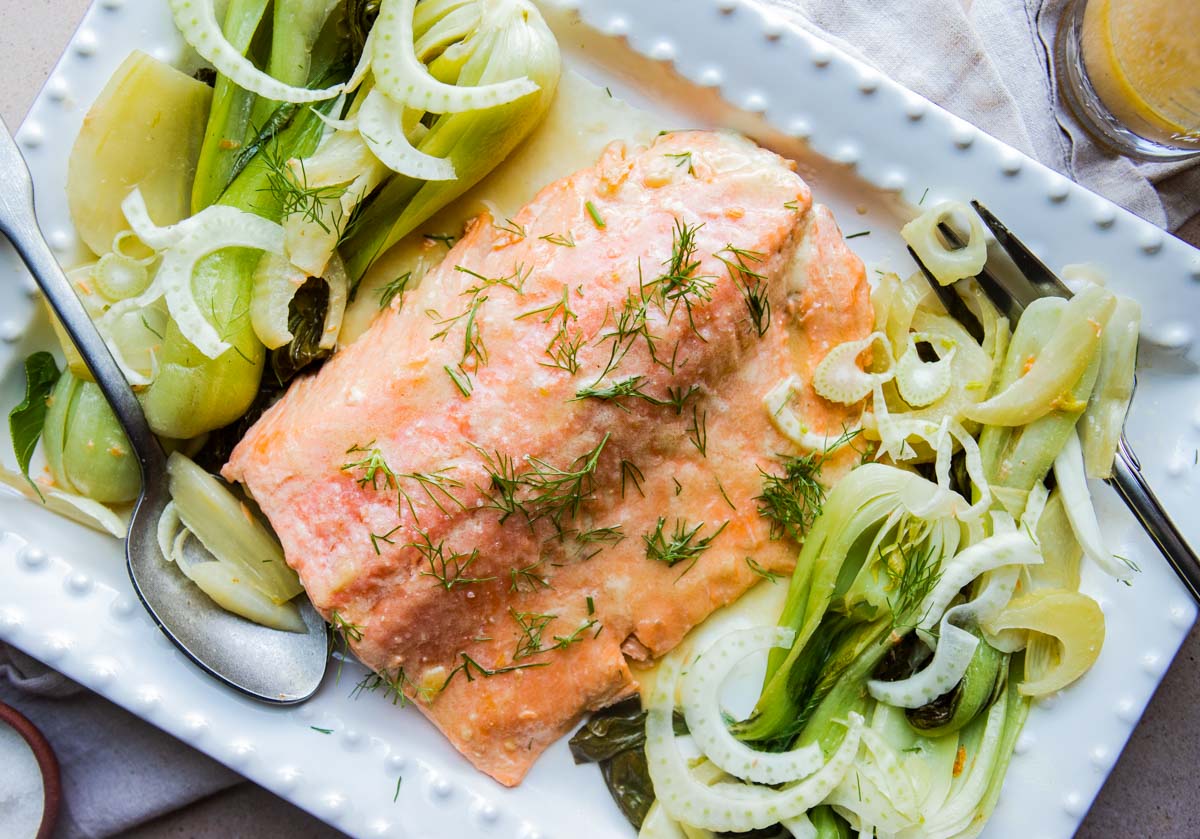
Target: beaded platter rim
[351, 758]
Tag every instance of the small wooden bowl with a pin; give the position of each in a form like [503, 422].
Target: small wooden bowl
[47, 762]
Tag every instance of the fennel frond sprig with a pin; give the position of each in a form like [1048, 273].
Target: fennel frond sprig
[446, 565]
[792, 500]
[913, 571]
[540, 490]
[526, 578]
[398, 687]
[684, 544]
[373, 465]
[287, 183]
[751, 284]
[470, 668]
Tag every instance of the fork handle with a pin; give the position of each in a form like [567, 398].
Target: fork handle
[1129, 483]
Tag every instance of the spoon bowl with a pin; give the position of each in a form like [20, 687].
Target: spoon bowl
[266, 664]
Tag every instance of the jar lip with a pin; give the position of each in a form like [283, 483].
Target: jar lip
[47, 763]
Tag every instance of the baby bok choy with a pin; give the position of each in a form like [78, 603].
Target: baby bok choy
[457, 85]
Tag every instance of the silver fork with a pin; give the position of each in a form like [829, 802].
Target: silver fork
[1011, 293]
[273, 666]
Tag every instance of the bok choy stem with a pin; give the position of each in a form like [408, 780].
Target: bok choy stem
[229, 126]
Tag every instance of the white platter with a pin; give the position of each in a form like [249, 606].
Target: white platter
[866, 145]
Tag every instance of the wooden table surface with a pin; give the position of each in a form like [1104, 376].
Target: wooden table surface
[1152, 791]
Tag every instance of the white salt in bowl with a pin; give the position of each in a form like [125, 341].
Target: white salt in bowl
[30, 789]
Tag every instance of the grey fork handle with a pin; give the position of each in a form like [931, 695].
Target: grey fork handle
[19, 225]
[1127, 480]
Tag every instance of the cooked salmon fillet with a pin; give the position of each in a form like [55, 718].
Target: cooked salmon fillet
[546, 459]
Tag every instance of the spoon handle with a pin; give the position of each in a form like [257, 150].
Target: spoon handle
[19, 225]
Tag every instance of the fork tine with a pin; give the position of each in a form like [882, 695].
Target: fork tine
[954, 304]
[1044, 282]
[996, 291]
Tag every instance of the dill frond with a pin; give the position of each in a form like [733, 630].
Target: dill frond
[683, 544]
[446, 565]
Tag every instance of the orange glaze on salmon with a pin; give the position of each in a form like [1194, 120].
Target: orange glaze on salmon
[501, 553]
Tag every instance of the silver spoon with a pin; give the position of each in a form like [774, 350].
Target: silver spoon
[267, 664]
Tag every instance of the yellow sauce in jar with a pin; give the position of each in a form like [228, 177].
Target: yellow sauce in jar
[1143, 59]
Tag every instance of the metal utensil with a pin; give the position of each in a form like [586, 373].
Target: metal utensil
[267, 664]
[1011, 292]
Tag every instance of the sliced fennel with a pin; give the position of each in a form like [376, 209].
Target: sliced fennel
[381, 124]
[402, 76]
[947, 265]
[838, 377]
[706, 675]
[1077, 501]
[1066, 634]
[229, 531]
[70, 505]
[1057, 367]
[791, 426]
[730, 806]
[1103, 420]
[922, 383]
[197, 22]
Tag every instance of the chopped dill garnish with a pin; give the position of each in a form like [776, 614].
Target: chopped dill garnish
[469, 663]
[591, 605]
[610, 535]
[683, 544]
[460, 379]
[561, 642]
[446, 565]
[347, 630]
[396, 795]
[698, 430]
[792, 500]
[724, 495]
[374, 466]
[385, 538]
[564, 346]
[532, 625]
[445, 238]
[750, 283]
[392, 687]
[681, 159]
[858, 234]
[678, 486]
[524, 579]
[543, 490]
[791, 205]
[321, 730]
[393, 289]
[435, 485]
[566, 241]
[765, 573]
[628, 325]
[559, 308]
[512, 228]
[631, 472]
[595, 214]
[151, 329]
[923, 195]
[287, 183]
[681, 283]
[913, 572]
[631, 387]
[563, 350]
[514, 280]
